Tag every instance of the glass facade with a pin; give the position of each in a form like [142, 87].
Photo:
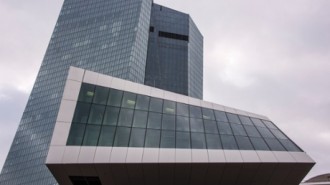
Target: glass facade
[110, 117]
[175, 53]
[108, 37]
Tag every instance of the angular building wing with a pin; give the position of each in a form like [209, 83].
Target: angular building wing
[112, 131]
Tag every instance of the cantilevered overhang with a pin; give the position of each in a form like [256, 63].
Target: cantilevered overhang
[143, 165]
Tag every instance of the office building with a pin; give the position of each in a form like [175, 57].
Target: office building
[113, 131]
[130, 110]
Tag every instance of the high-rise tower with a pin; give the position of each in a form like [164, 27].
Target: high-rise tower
[108, 37]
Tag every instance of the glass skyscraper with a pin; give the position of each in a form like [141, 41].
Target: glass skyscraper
[133, 40]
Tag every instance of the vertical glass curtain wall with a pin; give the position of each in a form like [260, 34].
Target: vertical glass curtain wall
[110, 117]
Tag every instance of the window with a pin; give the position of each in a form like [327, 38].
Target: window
[182, 109]
[101, 95]
[210, 127]
[152, 138]
[86, 93]
[125, 117]
[142, 102]
[167, 139]
[154, 120]
[111, 116]
[228, 142]
[107, 135]
[182, 124]
[137, 137]
[220, 116]
[122, 136]
[195, 112]
[196, 125]
[91, 135]
[156, 105]
[169, 107]
[168, 122]
[129, 100]
[208, 114]
[233, 118]
[140, 119]
[115, 97]
[183, 140]
[213, 141]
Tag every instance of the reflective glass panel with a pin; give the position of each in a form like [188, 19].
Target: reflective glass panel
[81, 113]
[289, 145]
[96, 114]
[125, 117]
[154, 120]
[76, 134]
[101, 95]
[265, 132]
[228, 142]
[278, 134]
[182, 140]
[167, 139]
[195, 112]
[251, 131]
[220, 116]
[244, 143]
[169, 107]
[182, 124]
[137, 137]
[198, 140]
[257, 122]
[196, 125]
[91, 136]
[107, 135]
[86, 92]
[111, 116]
[274, 144]
[142, 102]
[208, 114]
[182, 109]
[168, 122]
[238, 130]
[140, 119]
[269, 124]
[245, 120]
[152, 138]
[115, 97]
[210, 127]
[224, 128]
[129, 100]
[213, 141]
[233, 118]
[156, 105]
[259, 143]
[122, 136]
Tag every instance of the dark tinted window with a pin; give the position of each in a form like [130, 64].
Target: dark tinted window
[182, 109]
[142, 102]
[233, 118]
[220, 116]
[115, 97]
[86, 92]
[208, 114]
[156, 105]
[101, 95]
[195, 112]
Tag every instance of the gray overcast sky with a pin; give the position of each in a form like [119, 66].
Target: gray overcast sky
[269, 57]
